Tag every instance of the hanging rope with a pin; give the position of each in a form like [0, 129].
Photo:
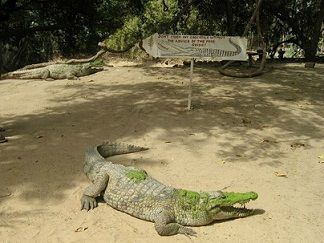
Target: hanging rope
[254, 18]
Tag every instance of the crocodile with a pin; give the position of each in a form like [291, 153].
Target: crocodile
[54, 71]
[133, 191]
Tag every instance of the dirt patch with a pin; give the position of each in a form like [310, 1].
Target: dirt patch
[263, 134]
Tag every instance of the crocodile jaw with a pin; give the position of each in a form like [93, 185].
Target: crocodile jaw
[230, 212]
[88, 69]
[92, 70]
[225, 207]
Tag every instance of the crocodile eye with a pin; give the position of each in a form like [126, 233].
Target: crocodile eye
[221, 195]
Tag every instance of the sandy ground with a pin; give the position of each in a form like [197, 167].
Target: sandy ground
[262, 134]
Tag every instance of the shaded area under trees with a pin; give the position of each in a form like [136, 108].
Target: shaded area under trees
[40, 30]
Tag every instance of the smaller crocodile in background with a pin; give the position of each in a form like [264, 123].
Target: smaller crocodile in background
[133, 191]
[54, 71]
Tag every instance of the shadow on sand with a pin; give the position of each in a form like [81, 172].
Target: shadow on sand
[286, 101]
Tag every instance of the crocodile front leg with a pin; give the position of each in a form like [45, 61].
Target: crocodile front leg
[165, 226]
[46, 75]
[71, 76]
[88, 199]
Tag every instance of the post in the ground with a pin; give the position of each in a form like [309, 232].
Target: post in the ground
[190, 84]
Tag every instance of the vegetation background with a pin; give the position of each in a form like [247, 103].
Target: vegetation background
[40, 30]
[264, 134]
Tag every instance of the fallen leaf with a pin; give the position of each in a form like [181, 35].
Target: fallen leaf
[246, 121]
[290, 99]
[163, 163]
[268, 141]
[296, 145]
[81, 229]
[280, 174]
[222, 161]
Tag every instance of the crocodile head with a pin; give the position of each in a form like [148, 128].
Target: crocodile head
[90, 68]
[193, 208]
[230, 205]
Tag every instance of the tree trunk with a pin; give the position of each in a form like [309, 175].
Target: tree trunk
[229, 17]
[311, 44]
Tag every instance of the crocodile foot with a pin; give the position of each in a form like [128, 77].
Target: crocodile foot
[187, 231]
[88, 203]
[3, 139]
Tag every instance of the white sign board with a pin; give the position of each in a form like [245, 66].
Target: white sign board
[197, 46]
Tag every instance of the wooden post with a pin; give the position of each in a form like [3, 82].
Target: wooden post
[190, 84]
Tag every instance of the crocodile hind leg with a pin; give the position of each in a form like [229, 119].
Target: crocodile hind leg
[88, 199]
[72, 77]
[46, 75]
[165, 226]
[3, 139]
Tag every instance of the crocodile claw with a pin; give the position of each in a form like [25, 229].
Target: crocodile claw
[187, 232]
[88, 202]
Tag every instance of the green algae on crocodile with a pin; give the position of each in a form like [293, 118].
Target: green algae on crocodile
[191, 202]
[227, 198]
[137, 175]
[196, 203]
[134, 192]
[231, 198]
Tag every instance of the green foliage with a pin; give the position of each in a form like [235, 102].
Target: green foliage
[34, 31]
[152, 19]
[301, 19]
[129, 34]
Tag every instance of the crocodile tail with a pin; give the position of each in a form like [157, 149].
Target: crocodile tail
[108, 149]
[4, 76]
[95, 155]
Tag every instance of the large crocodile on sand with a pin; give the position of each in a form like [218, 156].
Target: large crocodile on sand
[54, 71]
[133, 191]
